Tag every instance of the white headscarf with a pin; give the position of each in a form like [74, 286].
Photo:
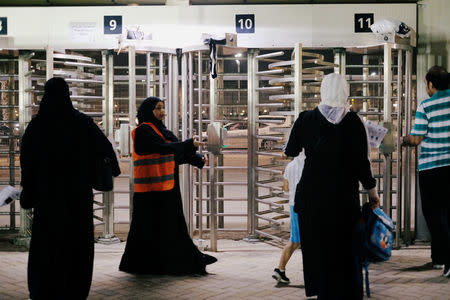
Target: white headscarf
[334, 92]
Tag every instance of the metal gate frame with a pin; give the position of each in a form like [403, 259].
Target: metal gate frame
[403, 115]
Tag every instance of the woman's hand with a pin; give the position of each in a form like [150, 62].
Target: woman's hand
[205, 160]
[198, 143]
[374, 199]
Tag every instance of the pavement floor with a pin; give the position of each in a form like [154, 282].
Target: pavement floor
[243, 271]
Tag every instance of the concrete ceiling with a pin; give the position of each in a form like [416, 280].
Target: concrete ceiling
[192, 2]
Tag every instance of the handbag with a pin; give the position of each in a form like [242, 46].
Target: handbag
[103, 175]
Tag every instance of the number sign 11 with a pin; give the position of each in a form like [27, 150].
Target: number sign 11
[363, 22]
[112, 24]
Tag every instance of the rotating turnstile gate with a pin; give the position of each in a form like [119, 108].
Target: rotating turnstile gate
[380, 77]
[9, 133]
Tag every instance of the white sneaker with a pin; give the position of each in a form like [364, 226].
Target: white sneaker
[438, 266]
[446, 271]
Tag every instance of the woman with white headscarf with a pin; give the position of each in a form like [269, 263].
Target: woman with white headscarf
[327, 196]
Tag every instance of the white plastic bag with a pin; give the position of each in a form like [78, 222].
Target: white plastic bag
[376, 133]
[391, 25]
[8, 195]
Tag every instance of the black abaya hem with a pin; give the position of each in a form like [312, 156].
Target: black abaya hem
[158, 241]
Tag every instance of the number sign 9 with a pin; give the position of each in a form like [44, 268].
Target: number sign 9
[245, 23]
[112, 24]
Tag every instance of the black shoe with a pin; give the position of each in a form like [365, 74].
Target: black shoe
[280, 276]
[446, 271]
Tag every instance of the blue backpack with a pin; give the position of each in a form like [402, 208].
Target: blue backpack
[377, 238]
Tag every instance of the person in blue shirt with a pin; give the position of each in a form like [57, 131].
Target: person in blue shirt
[432, 132]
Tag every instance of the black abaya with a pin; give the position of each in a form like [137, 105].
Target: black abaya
[57, 155]
[158, 241]
[327, 201]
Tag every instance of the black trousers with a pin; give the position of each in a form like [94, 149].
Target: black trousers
[433, 185]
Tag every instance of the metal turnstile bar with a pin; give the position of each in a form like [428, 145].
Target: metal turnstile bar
[269, 170]
[270, 137]
[269, 203]
[76, 64]
[269, 219]
[276, 71]
[277, 154]
[221, 199]
[76, 80]
[281, 64]
[270, 55]
[364, 81]
[311, 54]
[270, 121]
[223, 214]
[222, 183]
[367, 66]
[281, 80]
[81, 97]
[227, 168]
[277, 238]
[277, 188]
[71, 56]
[282, 97]
[270, 88]
[225, 229]
[270, 104]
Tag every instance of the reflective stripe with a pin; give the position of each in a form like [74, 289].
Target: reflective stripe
[153, 161]
[153, 179]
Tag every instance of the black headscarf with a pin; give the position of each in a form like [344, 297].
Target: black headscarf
[145, 114]
[56, 101]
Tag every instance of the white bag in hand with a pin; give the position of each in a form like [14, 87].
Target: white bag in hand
[8, 195]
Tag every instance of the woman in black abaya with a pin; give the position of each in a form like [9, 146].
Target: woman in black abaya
[327, 196]
[158, 241]
[57, 154]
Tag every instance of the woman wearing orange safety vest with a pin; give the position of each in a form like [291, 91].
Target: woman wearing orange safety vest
[158, 241]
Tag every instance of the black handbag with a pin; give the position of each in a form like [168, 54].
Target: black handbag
[103, 176]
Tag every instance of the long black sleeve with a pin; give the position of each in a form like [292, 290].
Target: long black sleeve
[195, 159]
[295, 144]
[103, 147]
[147, 141]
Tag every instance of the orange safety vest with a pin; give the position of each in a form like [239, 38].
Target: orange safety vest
[153, 172]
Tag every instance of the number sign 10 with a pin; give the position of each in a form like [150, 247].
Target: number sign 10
[245, 23]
